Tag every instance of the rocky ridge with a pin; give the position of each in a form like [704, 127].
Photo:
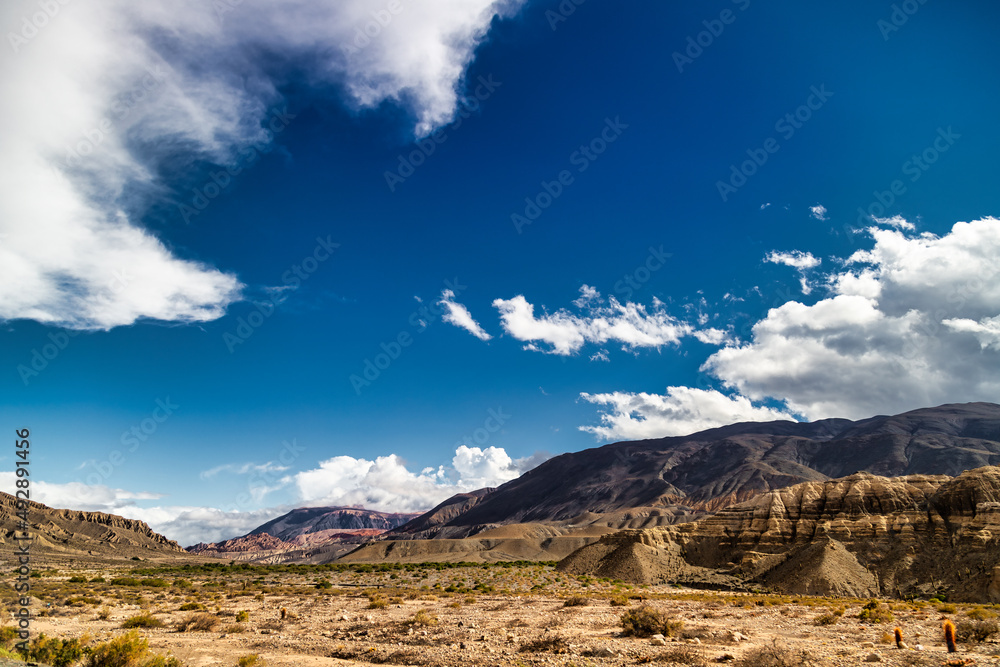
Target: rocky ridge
[72, 532]
[859, 535]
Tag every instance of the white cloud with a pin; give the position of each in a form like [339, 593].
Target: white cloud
[911, 323]
[681, 411]
[819, 212]
[459, 315]
[587, 295]
[897, 221]
[387, 484]
[110, 100]
[795, 259]
[565, 333]
[986, 331]
[800, 261]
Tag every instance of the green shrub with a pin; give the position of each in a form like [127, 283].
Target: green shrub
[128, 650]
[8, 633]
[576, 601]
[251, 660]
[76, 579]
[143, 620]
[646, 621]
[242, 616]
[125, 581]
[191, 606]
[56, 652]
[875, 612]
[618, 601]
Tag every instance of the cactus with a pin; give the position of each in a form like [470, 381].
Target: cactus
[949, 636]
[898, 632]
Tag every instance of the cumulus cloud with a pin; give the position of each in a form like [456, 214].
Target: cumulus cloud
[564, 332]
[385, 483]
[910, 323]
[819, 212]
[680, 411]
[798, 260]
[459, 315]
[110, 101]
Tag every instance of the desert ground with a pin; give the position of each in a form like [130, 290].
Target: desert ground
[481, 614]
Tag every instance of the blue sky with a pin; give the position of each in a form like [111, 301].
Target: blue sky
[725, 242]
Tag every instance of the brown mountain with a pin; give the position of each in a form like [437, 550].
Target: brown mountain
[71, 533]
[675, 479]
[308, 520]
[859, 535]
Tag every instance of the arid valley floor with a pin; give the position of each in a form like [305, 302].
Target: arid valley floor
[496, 614]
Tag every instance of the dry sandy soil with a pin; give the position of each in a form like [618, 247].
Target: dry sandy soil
[517, 615]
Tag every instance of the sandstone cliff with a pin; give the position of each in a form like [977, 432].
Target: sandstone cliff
[858, 535]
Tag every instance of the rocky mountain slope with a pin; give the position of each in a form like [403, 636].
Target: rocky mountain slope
[306, 535]
[73, 533]
[859, 535]
[676, 479]
[312, 520]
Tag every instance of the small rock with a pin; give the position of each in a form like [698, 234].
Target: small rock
[918, 647]
[726, 657]
[868, 645]
[658, 640]
[873, 657]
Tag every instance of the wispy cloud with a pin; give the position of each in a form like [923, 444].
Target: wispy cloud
[243, 469]
[599, 322]
[800, 261]
[819, 212]
[112, 102]
[459, 315]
